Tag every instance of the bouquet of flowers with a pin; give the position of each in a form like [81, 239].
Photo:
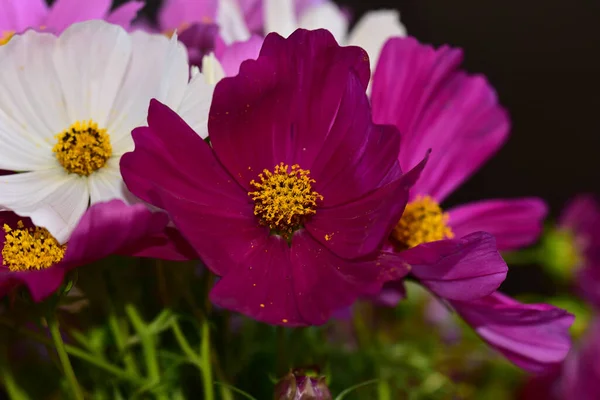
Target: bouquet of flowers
[245, 199]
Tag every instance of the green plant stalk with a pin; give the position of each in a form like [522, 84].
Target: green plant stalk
[14, 391]
[120, 337]
[64, 357]
[148, 347]
[205, 359]
[185, 346]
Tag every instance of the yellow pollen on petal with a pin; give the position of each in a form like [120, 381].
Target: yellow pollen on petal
[6, 36]
[28, 249]
[83, 148]
[284, 198]
[423, 221]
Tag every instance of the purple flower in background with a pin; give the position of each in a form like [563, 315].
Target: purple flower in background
[297, 386]
[454, 254]
[32, 257]
[575, 245]
[20, 15]
[291, 204]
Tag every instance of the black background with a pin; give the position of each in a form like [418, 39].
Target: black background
[542, 58]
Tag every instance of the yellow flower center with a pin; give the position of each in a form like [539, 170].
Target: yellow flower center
[6, 36]
[28, 249]
[284, 198]
[423, 221]
[83, 148]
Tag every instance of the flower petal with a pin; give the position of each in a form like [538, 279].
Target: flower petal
[175, 170]
[324, 283]
[67, 12]
[177, 13]
[514, 223]
[195, 104]
[259, 284]
[231, 21]
[435, 106]
[326, 16]
[91, 59]
[200, 40]
[31, 110]
[582, 215]
[283, 104]
[22, 14]
[125, 13]
[232, 56]
[279, 17]
[52, 199]
[166, 81]
[41, 284]
[533, 336]
[373, 30]
[166, 245]
[107, 184]
[359, 228]
[109, 227]
[458, 269]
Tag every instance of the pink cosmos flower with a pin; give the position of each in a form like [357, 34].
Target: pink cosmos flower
[20, 15]
[31, 256]
[454, 254]
[578, 239]
[290, 202]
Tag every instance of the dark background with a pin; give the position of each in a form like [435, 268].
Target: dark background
[542, 58]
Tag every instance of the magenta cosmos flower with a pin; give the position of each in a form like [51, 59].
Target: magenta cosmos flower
[31, 256]
[20, 15]
[454, 254]
[575, 245]
[291, 203]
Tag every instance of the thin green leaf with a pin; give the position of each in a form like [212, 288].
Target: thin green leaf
[351, 389]
[236, 390]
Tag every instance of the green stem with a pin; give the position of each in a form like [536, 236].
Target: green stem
[64, 357]
[205, 359]
[75, 352]
[148, 347]
[384, 391]
[185, 346]
[119, 333]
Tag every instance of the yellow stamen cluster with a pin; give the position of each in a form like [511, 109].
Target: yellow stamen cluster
[423, 221]
[6, 36]
[284, 198]
[83, 148]
[28, 249]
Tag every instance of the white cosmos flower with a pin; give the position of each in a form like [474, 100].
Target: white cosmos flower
[87, 89]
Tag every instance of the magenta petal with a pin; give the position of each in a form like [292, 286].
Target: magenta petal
[66, 12]
[106, 228]
[170, 157]
[177, 13]
[324, 283]
[533, 336]
[260, 284]
[580, 372]
[514, 223]
[434, 105]
[18, 15]
[458, 269]
[358, 228]
[391, 294]
[125, 13]
[231, 56]
[280, 107]
[41, 284]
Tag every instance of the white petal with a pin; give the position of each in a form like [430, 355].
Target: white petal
[232, 26]
[91, 59]
[107, 184]
[212, 69]
[158, 69]
[373, 30]
[52, 199]
[327, 16]
[31, 107]
[196, 104]
[280, 16]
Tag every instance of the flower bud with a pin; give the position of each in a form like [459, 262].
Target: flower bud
[297, 386]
